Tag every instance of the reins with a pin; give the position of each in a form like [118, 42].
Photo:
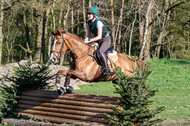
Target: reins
[62, 46]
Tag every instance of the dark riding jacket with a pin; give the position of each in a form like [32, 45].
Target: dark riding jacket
[93, 27]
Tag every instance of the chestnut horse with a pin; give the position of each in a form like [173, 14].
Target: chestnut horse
[82, 64]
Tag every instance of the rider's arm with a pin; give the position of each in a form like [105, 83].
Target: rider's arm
[88, 36]
[99, 33]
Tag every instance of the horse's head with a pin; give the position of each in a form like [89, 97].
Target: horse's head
[59, 45]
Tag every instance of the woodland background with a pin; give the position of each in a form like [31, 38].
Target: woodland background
[150, 28]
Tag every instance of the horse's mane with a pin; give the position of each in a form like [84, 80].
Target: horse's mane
[73, 36]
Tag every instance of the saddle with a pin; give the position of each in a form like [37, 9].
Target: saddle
[110, 54]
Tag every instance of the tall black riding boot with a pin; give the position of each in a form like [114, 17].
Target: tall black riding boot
[106, 71]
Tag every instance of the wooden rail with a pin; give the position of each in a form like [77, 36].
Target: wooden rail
[78, 109]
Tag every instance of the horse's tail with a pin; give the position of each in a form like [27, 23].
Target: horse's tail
[141, 64]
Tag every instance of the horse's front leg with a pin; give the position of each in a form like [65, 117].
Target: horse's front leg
[68, 74]
[58, 78]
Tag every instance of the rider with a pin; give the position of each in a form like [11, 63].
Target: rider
[98, 28]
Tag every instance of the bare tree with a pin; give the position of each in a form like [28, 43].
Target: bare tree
[60, 16]
[147, 28]
[84, 16]
[10, 36]
[45, 30]
[39, 7]
[131, 33]
[148, 37]
[65, 20]
[112, 21]
[120, 26]
[72, 18]
[78, 19]
[39, 23]
[1, 28]
[52, 24]
[141, 21]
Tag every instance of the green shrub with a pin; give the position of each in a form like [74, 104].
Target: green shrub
[8, 101]
[25, 77]
[133, 108]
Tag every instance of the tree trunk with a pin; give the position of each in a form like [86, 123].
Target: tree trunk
[162, 34]
[131, 34]
[146, 29]
[37, 55]
[72, 19]
[53, 15]
[147, 46]
[84, 17]
[141, 24]
[45, 23]
[60, 16]
[49, 43]
[66, 28]
[166, 12]
[113, 23]
[52, 24]
[27, 34]
[9, 46]
[120, 27]
[90, 3]
[78, 20]
[1, 30]
[25, 122]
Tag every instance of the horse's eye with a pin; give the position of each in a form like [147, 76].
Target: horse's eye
[59, 42]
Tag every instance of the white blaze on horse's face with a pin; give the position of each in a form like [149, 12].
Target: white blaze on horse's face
[54, 55]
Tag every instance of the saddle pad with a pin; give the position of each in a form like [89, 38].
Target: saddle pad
[112, 57]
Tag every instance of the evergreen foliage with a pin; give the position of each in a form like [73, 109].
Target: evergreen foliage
[25, 77]
[133, 108]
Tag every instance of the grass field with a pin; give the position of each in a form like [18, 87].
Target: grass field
[172, 79]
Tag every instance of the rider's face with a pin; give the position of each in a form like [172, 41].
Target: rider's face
[90, 16]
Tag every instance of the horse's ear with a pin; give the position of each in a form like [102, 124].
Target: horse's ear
[54, 33]
[60, 31]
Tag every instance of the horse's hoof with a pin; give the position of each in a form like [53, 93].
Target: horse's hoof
[60, 91]
[69, 89]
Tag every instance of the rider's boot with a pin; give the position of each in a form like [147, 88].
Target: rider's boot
[106, 71]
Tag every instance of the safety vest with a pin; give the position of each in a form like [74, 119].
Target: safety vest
[94, 30]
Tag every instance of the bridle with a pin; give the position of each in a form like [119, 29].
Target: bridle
[60, 51]
[62, 46]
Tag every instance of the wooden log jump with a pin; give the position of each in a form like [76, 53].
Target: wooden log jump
[78, 109]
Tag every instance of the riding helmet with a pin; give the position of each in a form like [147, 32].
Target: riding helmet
[92, 10]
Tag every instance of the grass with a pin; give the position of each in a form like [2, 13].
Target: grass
[172, 79]
[101, 88]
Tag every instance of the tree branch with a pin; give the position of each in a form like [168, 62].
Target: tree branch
[175, 5]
